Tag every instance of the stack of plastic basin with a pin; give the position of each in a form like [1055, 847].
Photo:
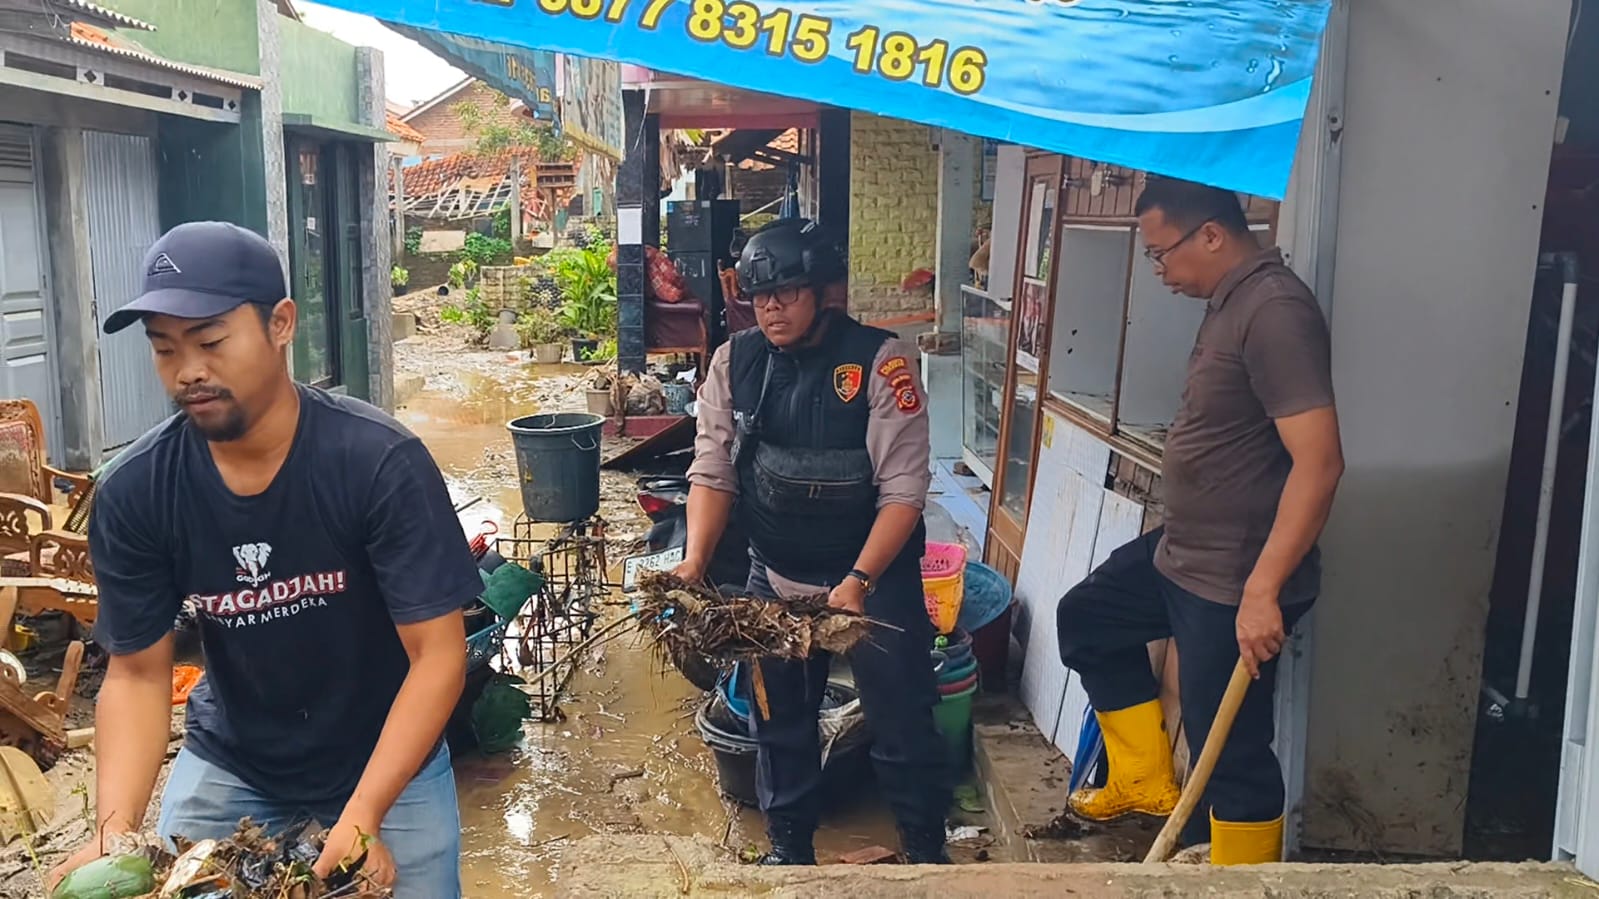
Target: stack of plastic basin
[986, 613]
[944, 583]
[958, 678]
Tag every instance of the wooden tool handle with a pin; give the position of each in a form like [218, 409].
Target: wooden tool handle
[1200, 775]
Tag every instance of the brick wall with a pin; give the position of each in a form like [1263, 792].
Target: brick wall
[443, 129]
[756, 188]
[893, 214]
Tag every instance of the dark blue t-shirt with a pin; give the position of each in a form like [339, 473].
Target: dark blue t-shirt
[299, 587]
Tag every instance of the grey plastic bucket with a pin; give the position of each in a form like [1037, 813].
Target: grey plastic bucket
[558, 464]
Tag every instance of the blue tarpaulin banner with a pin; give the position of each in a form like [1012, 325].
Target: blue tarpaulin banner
[1209, 90]
[517, 71]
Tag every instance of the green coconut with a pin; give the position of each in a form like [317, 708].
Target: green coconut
[112, 877]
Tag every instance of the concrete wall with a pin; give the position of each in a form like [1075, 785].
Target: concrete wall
[893, 220]
[317, 72]
[1450, 107]
[216, 33]
[377, 243]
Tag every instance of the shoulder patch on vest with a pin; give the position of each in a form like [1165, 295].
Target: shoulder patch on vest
[847, 381]
[890, 366]
[906, 397]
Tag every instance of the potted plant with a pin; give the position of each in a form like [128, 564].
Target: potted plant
[541, 332]
[598, 392]
[588, 297]
[399, 277]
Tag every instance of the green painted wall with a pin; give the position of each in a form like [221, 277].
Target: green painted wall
[213, 171]
[216, 33]
[317, 74]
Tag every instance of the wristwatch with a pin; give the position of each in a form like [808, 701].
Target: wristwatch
[865, 580]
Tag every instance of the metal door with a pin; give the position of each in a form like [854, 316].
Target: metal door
[123, 222]
[1577, 808]
[26, 367]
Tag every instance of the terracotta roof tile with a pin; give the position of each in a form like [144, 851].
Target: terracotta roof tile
[400, 129]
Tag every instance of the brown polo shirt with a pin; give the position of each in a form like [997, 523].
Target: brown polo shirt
[1262, 353]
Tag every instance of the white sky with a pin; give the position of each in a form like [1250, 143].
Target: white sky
[412, 74]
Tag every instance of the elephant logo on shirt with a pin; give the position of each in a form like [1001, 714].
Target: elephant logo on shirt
[252, 559]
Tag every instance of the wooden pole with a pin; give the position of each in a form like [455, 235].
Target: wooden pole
[516, 202]
[1200, 776]
[399, 209]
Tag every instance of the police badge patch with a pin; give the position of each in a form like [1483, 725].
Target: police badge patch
[847, 381]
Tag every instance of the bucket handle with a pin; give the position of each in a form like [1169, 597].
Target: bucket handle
[586, 449]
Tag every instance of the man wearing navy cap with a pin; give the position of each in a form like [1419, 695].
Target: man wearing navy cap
[317, 539]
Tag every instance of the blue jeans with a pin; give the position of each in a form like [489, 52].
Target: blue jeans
[422, 830]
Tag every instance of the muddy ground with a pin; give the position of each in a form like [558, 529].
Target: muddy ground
[626, 759]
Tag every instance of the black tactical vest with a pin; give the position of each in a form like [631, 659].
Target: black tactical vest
[807, 487]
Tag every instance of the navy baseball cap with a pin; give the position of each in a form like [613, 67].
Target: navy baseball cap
[203, 270]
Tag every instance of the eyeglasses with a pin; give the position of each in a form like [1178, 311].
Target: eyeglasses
[782, 297]
[1157, 255]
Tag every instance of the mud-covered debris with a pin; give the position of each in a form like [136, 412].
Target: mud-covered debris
[687, 619]
[1064, 827]
[250, 864]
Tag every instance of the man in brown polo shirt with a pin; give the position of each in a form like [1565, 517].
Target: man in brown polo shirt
[1251, 465]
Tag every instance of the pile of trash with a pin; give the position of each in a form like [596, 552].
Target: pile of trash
[248, 865]
[686, 619]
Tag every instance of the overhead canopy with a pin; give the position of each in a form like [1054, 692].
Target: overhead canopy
[1209, 90]
[515, 70]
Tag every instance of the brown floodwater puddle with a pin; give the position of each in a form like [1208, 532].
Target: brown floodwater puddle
[628, 758]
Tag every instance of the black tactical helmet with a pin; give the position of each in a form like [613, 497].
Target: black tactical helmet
[786, 253]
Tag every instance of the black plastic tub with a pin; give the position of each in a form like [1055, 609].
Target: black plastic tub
[845, 777]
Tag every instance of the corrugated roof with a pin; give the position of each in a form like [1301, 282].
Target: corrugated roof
[92, 38]
[464, 185]
[106, 16]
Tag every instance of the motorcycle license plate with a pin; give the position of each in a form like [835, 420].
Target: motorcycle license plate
[635, 566]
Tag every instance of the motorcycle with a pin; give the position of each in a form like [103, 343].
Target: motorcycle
[664, 500]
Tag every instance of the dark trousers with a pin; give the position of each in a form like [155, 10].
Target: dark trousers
[1105, 624]
[897, 689]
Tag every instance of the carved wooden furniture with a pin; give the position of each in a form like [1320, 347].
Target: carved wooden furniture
[34, 723]
[23, 469]
[21, 517]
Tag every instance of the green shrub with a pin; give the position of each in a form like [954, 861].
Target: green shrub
[484, 250]
[463, 273]
[473, 313]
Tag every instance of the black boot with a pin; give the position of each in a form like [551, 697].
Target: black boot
[791, 844]
[924, 845]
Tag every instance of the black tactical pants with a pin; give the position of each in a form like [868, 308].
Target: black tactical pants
[1104, 625]
[897, 689]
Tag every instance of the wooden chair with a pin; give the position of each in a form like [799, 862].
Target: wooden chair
[23, 469]
[21, 517]
[27, 488]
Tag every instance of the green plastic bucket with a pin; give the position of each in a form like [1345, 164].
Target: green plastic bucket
[953, 716]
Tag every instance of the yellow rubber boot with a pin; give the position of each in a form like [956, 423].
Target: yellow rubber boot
[1250, 843]
[1141, 779]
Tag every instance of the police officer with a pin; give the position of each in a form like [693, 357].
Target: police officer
[812, 429]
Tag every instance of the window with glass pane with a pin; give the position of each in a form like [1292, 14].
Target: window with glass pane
[1032, 312]
[985, 338]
